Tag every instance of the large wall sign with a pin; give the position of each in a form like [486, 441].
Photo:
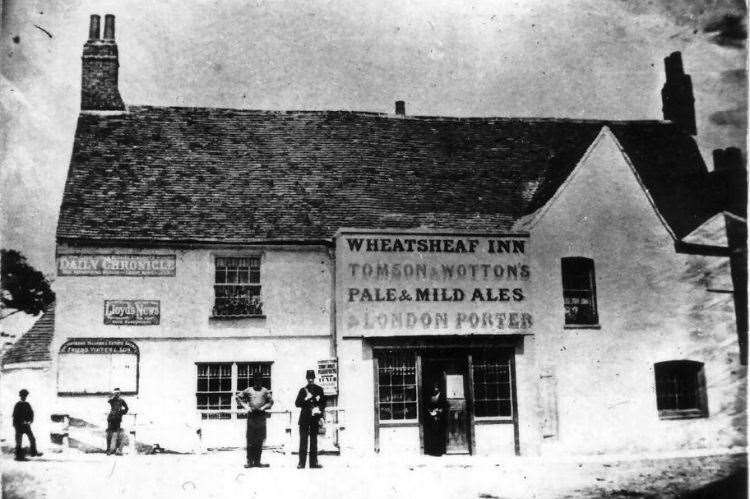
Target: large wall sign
[97, 365]
[415, 284]
[132, 312]
[116, 265]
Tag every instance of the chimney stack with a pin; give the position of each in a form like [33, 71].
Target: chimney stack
[400, 108]
[678, 103]
[99, 90]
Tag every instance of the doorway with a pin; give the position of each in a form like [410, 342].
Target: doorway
[445, 408]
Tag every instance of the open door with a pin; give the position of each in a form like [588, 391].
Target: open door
[450, 435]
[457, 419]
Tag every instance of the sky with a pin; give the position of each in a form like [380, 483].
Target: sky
[561, 58]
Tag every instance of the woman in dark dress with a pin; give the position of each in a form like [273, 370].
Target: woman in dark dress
[435, 422]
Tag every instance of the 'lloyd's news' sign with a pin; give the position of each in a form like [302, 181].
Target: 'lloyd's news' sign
[132, 312]
[140, 265]
[417, 283]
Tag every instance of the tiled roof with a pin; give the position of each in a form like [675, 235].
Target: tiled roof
[34, 345]
[197, 174]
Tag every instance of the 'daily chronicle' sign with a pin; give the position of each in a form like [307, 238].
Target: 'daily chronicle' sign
[132, 312]
[417, 283]
[141, 265]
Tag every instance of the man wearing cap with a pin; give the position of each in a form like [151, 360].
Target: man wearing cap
[312, 403]
[23, 416]
[117, 408]
[255, 400]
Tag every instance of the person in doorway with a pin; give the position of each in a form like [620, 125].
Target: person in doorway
[312, 403]
[437, 407]
[117, 408]
[23, 416]
[255, 400]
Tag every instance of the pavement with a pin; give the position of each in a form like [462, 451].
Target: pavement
[221, 474]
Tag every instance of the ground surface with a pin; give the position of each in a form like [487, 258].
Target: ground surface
[221, 475]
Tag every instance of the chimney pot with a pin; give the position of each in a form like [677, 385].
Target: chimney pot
[109, 27]
[400, 108]
[94, 27]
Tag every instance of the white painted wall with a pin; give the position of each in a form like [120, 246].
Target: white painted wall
[296, 333]
[652, 307]
[296, 289]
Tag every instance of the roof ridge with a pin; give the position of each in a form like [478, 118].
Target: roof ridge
[419, 117]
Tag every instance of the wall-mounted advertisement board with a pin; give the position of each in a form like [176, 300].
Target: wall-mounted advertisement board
[128, 265]
[94, 366]
[403, 283]
[132, 312]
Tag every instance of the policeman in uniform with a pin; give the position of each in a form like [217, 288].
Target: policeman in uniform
[255, 400]
[312, 404]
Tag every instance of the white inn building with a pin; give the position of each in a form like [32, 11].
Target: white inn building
[568, 283]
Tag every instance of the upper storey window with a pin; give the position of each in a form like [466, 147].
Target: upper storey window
[579, 291]
[237, 287]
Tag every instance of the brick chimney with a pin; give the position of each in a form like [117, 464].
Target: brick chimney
[99, 90]
[400, 108]
[678, 103]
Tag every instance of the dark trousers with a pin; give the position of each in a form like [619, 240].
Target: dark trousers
[308, 431]
[256, 433]
[113, 436]
[20, 431]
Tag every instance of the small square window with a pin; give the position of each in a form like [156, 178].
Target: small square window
[680, 389]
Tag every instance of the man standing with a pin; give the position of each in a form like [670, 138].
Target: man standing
[312, 403]
[23, 416]
[117, 407]
[256, 400]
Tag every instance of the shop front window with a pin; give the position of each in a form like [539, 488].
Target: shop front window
[492, 386]
[237, 287]
[397, 386]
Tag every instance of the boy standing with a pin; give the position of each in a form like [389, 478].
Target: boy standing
[23, 416]
[117, 407]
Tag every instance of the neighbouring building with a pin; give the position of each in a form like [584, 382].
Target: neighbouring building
[568, 284]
